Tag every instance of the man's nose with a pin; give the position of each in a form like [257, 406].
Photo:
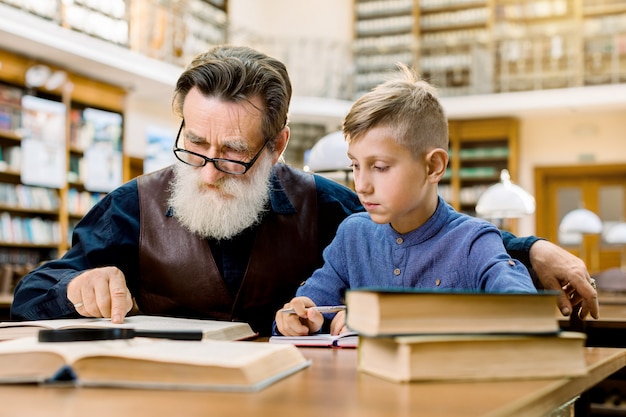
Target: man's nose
[210, 174]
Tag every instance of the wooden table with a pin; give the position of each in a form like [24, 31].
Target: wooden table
[331, 386]
[609, 330]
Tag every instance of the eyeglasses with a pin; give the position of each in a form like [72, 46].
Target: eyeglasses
[227, 166]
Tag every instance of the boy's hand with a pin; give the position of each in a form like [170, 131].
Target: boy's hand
[338, 325]
[303, 322]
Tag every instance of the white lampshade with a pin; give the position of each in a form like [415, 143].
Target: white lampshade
[581, 221]
[505, 200]
[56, 80]
[37, 75]
[616, 234]
[329, 154]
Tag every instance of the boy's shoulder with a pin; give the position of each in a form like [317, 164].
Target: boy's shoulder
[458, 219]
[360, 220]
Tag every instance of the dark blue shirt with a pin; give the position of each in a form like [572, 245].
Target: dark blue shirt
[109, 236]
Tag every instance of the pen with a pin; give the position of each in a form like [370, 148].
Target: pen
[321, 309]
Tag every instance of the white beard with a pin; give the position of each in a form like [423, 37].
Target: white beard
[231, 205]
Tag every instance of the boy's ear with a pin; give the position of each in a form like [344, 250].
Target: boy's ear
[436, 162]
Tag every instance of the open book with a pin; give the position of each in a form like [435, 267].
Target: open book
[150, 363]
[344, 340]
[212, 329]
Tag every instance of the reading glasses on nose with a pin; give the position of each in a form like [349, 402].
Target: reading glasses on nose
[227, 166]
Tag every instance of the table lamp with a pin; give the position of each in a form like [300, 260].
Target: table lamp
[329, 155]
[505, 200]
[617, 235]
[582, 222]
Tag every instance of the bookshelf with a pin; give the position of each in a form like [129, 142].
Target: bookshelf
[454, 38]
[36, 219]
[173, 31]
[479, 150]
[467, 47]
[604, 43]
[385, 33]
[538, 44]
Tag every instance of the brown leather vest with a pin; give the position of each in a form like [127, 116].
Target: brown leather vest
[179, 277]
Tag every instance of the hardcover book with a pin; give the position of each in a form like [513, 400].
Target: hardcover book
[473, 357]
[150, 363]
[377, 312]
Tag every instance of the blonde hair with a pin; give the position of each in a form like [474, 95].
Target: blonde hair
[406, 104]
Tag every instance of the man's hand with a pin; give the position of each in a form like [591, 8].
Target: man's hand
[303, 321]
[557, 269]
[101, 292]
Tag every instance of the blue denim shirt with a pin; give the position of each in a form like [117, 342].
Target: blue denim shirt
[451, 251]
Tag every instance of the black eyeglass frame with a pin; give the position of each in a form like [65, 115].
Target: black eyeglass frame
[215, 161]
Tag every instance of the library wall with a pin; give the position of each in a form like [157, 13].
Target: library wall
[582, 137]
[311, 38]
[568, 139]
[319, 19]
[144, 115]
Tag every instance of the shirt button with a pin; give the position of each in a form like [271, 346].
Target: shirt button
[396, 271]
[437, 282]
[511, 262]
[399, 241]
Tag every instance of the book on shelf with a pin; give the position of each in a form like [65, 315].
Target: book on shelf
[473, 356]
[150, 363]
[344, 340]
[6, 280]
[389, 311]
[211, 329]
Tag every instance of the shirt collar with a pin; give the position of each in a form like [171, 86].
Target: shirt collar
[278, 198]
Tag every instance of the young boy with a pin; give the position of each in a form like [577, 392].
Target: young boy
[410, 237]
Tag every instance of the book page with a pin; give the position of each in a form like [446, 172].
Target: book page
[14, 329]
[209, 352]
[48, 324]
[349, 339]
[69, 351]
[212, 329]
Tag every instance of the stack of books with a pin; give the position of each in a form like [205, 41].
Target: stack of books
[407, 335]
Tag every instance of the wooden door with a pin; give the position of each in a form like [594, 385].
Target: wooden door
[599, 188]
